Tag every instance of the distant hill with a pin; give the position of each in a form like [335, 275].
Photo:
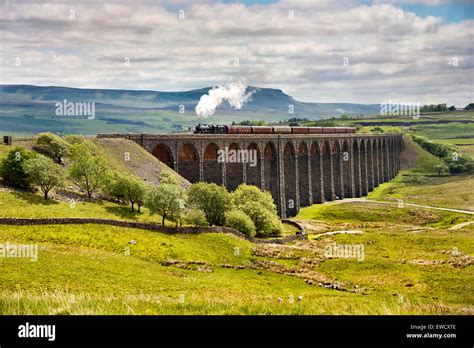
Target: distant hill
[31, 109]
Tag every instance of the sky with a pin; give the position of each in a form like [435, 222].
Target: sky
[316, 51]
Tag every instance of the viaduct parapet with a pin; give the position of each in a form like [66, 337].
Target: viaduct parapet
[298, 170]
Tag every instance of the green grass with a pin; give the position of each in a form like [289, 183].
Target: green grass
[92, 269]
[387, 267]
[84, 270]
[28, 205]
[138, 161]
[448, 192]
[445, 131]
[362, 212]
[417, 160]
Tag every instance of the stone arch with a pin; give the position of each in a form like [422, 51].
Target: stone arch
[346, 169]
[327, 171]
[380, 159]
[385, 160]
[212, 167]
[393, 165]
[303, 174]
[316, 173]
[363, 168]
[188, 162]
[235, 166]
[289, 167]
[271, 170]
[370, 165]
[375, 160]
[337, 169]
[253, 171]
[164, 154]
[356, 164]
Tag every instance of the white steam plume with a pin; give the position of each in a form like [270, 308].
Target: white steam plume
[233, 93]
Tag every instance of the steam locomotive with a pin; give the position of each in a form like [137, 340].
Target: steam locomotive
[223, 129]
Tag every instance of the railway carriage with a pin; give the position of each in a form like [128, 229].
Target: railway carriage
[224, 129]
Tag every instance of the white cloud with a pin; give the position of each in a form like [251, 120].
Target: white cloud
[389, 53]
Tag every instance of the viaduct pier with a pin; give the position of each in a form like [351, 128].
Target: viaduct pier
[298, 170]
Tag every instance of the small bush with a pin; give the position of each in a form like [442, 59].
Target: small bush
[240, 221]
[46, 174]
[214, 200]
[12, 168]
[195, 217]
[53, 146]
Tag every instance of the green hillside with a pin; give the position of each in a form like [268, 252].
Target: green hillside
[124, 155]
[27, 109]
[416, 260]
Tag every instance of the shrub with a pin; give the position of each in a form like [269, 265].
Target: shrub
[240, 221]
[167, 200]
[53, 146]
[212, 199]
[114, 186]
[87, 171]
[267, 223]
[259, 206]
[44, 173]
[12, 168]
[195, 217]
[73, 139]
[134, 191]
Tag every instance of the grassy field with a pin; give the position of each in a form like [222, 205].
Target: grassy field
[415, 260]
[30, 205]
[85, 270]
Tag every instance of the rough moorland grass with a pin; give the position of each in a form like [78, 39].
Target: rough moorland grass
[445, 131]
[83, 270]
[415, 159]
[212, 248]
[454, 192]
[388, 266]
[28, 205]
[379, 212]
[126, 156]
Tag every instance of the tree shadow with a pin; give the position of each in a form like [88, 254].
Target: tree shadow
[124, 212]
[32, 198]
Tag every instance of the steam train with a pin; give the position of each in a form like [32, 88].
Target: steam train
[223, 129]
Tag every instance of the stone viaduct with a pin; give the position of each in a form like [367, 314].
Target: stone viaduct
[298, 170]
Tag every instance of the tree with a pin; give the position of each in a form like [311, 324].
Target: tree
[114, 186]
[134, 191]
[212, 199]
[166, 177]
[12, 168]
[79, 139]
[194, 217]
[87, 171]
[44, 173]
[53, 145]
[266, 222]
[240, 221]
[441, 168]
[249, 193]
[259, 206]
[166, 199]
